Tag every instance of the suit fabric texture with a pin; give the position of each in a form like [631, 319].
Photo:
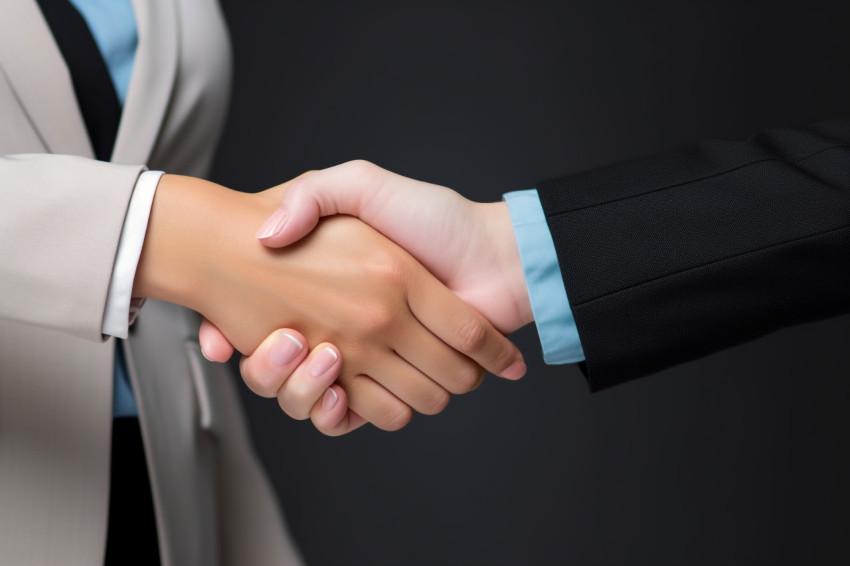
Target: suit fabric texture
[675, 256]
[60, 225]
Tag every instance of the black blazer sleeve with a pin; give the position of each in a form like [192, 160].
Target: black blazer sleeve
[675, 256]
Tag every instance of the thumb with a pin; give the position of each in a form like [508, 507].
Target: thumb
[293, 219]
[337, 190]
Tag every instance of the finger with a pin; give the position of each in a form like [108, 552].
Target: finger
[463, 328]
[331, 415]
[409, 385]
[369, 399]
[449, 368]
[342, 189]
[268, 368]
[309, 381]
[214, 346]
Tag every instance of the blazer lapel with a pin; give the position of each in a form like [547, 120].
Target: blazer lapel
[37, 73]
[154, 74]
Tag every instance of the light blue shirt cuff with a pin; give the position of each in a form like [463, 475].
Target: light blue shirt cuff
[549, 304]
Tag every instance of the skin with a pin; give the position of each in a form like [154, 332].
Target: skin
[402, 341]
[469, 246]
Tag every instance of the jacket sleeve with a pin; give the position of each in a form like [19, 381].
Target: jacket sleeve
[60, 224]
[675, 256]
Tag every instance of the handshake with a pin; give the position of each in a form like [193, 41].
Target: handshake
[404, 302]
[408, 298]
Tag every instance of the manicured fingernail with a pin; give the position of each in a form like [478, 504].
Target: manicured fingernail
[284, 349]
[329, 400]
[514, 371]
[322, 362]
[273, 225]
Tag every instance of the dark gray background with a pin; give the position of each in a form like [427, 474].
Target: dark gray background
[739, 458]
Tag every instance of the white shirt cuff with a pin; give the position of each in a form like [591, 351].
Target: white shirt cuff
[119, 315]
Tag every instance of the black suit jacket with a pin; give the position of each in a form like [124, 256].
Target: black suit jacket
[672, 257]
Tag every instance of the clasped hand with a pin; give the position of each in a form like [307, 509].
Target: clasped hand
[389, 332]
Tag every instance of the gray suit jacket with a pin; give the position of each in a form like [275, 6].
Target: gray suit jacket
[61, 215]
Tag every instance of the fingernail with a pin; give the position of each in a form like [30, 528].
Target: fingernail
[284, 350]
[329, 400]
[322, 362]
[273, 225]
[514, 371]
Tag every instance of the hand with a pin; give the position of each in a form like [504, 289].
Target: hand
[404, 336]
[469, 246]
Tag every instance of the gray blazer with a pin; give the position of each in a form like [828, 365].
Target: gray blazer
[61, 215]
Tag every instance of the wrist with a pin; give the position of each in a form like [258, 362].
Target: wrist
[186, 230]
[200, 252]
[497, 220]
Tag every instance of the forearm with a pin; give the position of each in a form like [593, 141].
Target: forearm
[679, 255]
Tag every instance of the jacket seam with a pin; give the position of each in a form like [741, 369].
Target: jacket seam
[712, 176]
[708, 264]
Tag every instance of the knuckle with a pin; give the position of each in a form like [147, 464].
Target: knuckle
[467, 379]
[295, 401]
[378, 319]
[436, 403]
[290, 410]
[329, 430]
[471, 335]
[362, 168]
[380, 313]
[386, 267]
[262, 385]
[503, 358]
[299, 184]
[478, 381]
[395, 419]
